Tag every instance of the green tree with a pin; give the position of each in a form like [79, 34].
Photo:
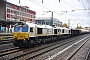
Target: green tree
[65, 25]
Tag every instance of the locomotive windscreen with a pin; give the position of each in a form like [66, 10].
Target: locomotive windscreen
[24, 28]
[17, 29]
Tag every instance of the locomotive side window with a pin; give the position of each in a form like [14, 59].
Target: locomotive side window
[39, 30]
[31, 29]
[58, 30]
[55, 31]
[69, 31]
[62, 30]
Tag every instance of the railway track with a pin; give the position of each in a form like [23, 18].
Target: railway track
[75, 51]
[4, 53]
[7, 51]
[31, 53]
[44, 49]
[73, 54]
[6, 46]
[5, 39]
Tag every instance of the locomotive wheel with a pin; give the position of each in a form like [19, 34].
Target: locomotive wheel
[15, 44]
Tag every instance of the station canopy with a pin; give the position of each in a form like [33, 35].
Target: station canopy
[7, 22]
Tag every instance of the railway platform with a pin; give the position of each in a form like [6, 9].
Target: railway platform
[5, 34]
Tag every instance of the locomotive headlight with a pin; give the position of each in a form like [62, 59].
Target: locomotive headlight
[14, 36]
[26, 38]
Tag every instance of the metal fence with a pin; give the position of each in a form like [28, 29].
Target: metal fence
[5, 30]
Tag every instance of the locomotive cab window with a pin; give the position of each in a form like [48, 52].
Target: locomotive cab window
[31, 29]
[55, 31]
[39, 30]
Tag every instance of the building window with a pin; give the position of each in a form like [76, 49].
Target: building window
[31, 16]
[34, 16]
[39, 22]
[47, 23]
[34, 13]
[12, 16]
[43, 22]
[30, 19]
[8, 15]
[17, 17]
[11, 11]
[14, 12]
[8, 10]
[7, 5]
[50, 23]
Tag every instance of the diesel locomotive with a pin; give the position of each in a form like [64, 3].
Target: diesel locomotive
[27, 34]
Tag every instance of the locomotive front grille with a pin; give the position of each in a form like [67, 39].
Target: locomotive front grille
[21, 36]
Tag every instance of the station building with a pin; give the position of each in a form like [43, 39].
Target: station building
[9, 11]
[48, 21]
[15, 13]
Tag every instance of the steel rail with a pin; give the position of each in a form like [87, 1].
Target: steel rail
[77, 50]
[44, 48]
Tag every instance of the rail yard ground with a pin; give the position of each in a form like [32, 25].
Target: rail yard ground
[75, 48]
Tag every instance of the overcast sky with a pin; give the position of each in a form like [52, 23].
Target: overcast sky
[75, 10]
